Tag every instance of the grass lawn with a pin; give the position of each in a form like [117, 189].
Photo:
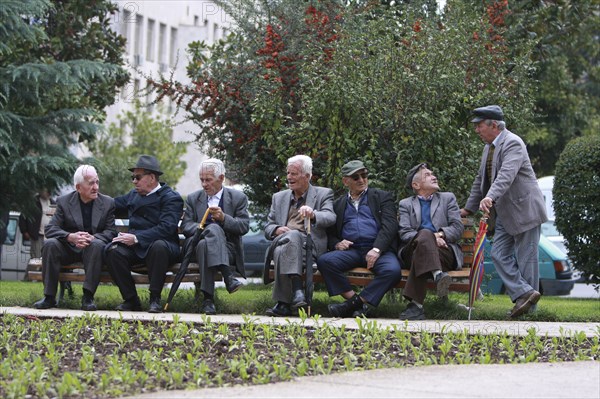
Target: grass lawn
[255, 298]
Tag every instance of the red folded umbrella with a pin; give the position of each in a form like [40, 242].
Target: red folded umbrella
[477, 269]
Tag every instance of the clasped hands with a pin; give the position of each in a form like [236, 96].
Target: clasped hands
[80, 239]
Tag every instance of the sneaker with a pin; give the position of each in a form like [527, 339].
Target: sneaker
[413, 312]
[442, 281]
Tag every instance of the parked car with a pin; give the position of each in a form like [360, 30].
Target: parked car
[556, 271]
[15, 251]
[255, 248]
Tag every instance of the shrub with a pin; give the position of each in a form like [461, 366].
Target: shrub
[576, 196]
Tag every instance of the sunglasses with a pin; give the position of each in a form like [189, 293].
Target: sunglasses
[138, 177]
[357, 176]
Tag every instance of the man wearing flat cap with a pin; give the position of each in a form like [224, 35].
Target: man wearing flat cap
[364, 235]
[154, 211]
[430, 228]
[506, 188]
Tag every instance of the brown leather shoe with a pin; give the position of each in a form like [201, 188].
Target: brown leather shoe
[524, 303]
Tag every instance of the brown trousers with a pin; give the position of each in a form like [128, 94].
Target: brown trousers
[423, 256]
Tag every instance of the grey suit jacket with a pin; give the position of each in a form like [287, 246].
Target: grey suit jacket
[320, 199]
[445, 216]
[236, 224]
[518, 199]
[68, 219]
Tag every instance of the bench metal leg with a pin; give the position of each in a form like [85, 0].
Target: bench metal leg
[197, 295]
[65, 285]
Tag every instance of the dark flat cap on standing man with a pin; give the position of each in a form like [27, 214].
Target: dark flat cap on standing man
[506, 187]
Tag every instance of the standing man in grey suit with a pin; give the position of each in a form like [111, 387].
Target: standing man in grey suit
[227, 222]
[286, 227]
[430, 227]
[507, 189]
[84, 222]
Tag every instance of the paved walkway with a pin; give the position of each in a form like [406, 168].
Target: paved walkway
[531, 380]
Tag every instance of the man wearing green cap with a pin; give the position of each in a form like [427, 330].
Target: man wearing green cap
[365, 235]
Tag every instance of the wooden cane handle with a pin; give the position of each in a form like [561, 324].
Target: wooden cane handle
[203, 221]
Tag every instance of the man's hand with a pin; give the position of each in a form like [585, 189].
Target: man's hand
[125, 238]
[306, 211]
[80, 239]
[486, 204]
[281, 230]
[371, 258]
[464, 213]
[343, 245]
[217, 214]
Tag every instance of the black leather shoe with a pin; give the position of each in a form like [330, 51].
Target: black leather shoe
[45, 303]
[155, 306]
[525, 302]
[364, 311]
[299, 300]
[88, 304]
[208, 307]
[340, 309]
[232, 284]
[442, 281]
[280, 310]
[413, 312]
[132, 305]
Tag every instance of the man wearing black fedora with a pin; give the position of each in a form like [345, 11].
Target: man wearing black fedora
[154, 211]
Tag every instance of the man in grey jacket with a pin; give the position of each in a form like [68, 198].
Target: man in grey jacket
[430, 227]
[506, 187]
[221, 242]
[286, 225]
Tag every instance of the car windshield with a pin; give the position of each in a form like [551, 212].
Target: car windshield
[549, 229]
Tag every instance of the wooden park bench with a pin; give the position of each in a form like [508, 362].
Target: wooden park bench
[75, 272]
[362, 276]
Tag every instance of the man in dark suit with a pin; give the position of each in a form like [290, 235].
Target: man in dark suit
[365, 235]
[84, 222]
[221, 242]
[506, 187]
[154, 211]
[286, 225]
[430, 228]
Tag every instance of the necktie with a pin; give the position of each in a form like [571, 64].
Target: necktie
[488, 163]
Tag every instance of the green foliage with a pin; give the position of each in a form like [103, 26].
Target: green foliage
[137, 133]
[340, 80]
[51, 90]
[567, 54]
[576, 195]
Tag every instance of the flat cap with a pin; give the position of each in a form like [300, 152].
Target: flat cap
[147, 162]
[493, 112]
[352, 167]
[412, 173]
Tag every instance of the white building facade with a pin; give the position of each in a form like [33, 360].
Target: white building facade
[158, 33]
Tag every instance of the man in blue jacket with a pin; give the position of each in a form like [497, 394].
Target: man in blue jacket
[154, 211]
[365, 235]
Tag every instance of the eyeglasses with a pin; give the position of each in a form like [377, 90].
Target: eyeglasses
[138, 177]
[357, 176]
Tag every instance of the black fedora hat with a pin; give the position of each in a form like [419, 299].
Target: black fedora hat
[147, 162]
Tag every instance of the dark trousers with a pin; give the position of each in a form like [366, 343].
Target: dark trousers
[423, 256]
[121, 258]
[212, 252]
[55, 254]
[334, 264]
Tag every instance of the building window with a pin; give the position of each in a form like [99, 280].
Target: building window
[162, 44]
[150, 40]
[173, 47]
[139, 24]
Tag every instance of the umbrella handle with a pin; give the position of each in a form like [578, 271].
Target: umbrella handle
[307, 224]
[203, 221]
